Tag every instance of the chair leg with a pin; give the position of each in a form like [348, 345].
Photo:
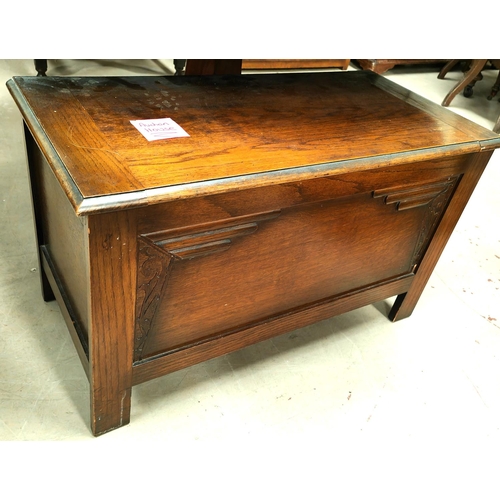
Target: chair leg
[448, 67]
[495, 88]
[470, 76]
[179, 65]
[41, 67]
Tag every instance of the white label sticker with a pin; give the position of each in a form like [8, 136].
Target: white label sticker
[163, 128]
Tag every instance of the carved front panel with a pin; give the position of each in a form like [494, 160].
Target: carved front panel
[432, 197]
[213, 279]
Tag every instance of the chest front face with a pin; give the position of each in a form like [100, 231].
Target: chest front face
[221, 264]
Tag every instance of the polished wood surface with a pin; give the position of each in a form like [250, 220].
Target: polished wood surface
[238, 126]
[295, 198]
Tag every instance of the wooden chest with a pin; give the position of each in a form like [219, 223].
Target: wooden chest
[294, 198]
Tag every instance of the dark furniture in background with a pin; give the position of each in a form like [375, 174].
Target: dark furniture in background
[41, 66]
[205, 67]
[380, 66]
[236, 66]
[471, 74]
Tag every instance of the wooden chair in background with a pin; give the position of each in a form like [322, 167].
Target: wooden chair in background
[472, 74]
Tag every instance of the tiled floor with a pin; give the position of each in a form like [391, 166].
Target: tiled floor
[337, 385]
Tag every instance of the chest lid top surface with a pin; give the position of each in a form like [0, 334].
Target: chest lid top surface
[244, 128]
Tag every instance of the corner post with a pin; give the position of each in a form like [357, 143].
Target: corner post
[405, 303]
[112, 251]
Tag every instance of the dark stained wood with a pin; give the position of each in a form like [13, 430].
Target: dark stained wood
[405, 304]
[295, 198]
[226, 117]
[37, 200]
[77, 332]
[348, 182]
[59, 233]
[355, 253]
[204, 67]
[218, 346]
[112, 247]
[65, 240]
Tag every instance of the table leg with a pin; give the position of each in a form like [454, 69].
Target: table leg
[37, 207]
[112, 276]
[405, 303]
[495, 88]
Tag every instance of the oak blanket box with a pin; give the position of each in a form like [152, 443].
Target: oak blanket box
[291, 199]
